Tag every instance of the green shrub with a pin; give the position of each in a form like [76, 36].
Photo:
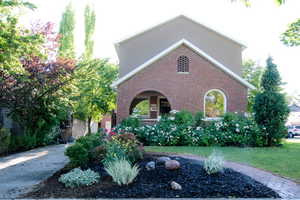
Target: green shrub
[91, 141]
[122, 172]
[132, 122]
[5, 139]
[214, 163]
[199, 117]
[98, 153]
[53, 136]
[114, 152]
[77, 154]
[184, 118]
[78, 177]
[22, 142]
[131, 146]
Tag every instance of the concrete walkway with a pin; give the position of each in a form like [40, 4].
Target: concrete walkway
[20, 172]
[285, 188]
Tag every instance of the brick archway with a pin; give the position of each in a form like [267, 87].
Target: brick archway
[158, 102]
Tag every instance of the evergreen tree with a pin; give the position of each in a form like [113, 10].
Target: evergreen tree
[270, 107]
[66, 31]
[89, 28]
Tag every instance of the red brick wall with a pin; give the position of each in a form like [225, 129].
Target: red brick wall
[183, 91]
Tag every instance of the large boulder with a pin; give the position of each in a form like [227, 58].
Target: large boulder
[172, 165]
[162, 159]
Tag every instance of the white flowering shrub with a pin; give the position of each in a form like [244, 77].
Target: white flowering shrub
[78, 177]
[121, 171]
[231, 130]
[214, 163]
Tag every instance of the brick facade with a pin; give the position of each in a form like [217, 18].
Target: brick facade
[183, 91]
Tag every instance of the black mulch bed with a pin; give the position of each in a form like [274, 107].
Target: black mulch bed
[191, 176]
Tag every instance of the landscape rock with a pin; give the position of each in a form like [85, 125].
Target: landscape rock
[172, 164]
[150, 165]
[175, 186]
[162, 159]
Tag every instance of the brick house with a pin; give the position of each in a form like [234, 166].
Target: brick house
[180, 65]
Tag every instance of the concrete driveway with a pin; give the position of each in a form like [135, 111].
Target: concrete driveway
[20, 172]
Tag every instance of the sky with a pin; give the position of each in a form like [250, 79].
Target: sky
[259, 27]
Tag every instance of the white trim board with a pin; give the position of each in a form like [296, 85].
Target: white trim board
[209, 27]
[193, 47]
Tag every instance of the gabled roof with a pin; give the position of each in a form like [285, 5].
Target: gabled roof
[193, 47]
[209, 27]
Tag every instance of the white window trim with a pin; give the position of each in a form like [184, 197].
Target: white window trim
[183, 72]
[204, 102]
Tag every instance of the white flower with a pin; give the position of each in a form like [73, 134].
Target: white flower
[174, 111]
[237, 130]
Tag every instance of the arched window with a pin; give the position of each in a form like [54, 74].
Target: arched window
[183, 64]
[214, 103]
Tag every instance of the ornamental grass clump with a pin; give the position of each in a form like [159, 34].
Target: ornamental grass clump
[214, 163]
[121, 171]
[78, 177]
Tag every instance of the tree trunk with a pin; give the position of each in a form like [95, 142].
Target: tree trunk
[89, 125]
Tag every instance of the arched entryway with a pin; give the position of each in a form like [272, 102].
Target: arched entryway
[149, 105]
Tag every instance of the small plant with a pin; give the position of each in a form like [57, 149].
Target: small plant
[121, 171]
[114, 152]
[78, 177]
[77, 154]
[214, 163]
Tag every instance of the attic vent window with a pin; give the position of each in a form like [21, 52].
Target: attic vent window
[183, 64]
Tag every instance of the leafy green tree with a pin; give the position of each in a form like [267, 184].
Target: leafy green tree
[89, 28]
[270, 107]
[32, 93]
[94, 96]
[252, 73]
[291, 37]
[15, 42]
[66, 31]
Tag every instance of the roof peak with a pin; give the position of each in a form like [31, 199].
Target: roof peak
[209, 27]
[183, 41]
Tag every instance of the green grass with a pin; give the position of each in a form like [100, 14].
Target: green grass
[284, 160]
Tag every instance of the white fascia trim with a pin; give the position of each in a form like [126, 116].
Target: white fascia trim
[173, 47]
[209, 27]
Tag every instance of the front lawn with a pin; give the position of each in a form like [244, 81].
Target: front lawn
[284, 160]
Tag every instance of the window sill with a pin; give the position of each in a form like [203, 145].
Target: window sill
[183, 72]
[149, 119]
[212, 118]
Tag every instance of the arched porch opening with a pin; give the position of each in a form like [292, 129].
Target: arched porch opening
[149, 105]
